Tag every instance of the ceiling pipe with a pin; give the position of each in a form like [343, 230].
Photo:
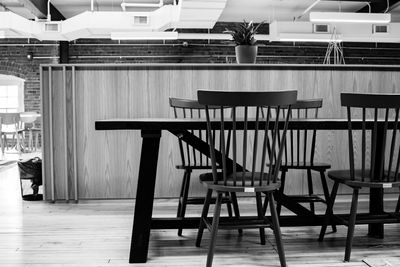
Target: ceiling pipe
[307, 9]
[98, 24]
[48, 11]
[124, 4]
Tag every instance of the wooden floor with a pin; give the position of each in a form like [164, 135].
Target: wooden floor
[97, 233]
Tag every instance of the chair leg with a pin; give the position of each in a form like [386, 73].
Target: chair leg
[2, 144]
[265, 205]
[329, 211]
[214, 230]
[310, 189]
[326, 194]
[203, 217]
[280, 193]
[36, 141]
[19, 144]
[30, 141]
[179, 211]
[5, 142]
[183, 197]
[228, 205]
[260, 215]
[352, 223]
[398, 205]
[236, 208]
[277, 229]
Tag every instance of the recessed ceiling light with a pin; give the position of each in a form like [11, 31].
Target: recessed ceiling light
[350, 17]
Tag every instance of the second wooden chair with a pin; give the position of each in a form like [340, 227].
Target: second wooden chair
[376, 167]
[299, 154]
[252, 150]
[192, 159]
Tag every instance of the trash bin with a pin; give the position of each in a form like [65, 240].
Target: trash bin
[31, 169]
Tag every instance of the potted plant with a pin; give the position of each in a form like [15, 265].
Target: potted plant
[243, 36]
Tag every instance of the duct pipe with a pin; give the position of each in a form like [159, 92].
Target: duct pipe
[124, 5]
[307, 9]
[48, 11]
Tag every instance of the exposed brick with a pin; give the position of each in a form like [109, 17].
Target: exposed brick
[13, 53]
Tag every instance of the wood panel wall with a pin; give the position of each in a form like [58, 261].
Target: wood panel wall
[106, 162]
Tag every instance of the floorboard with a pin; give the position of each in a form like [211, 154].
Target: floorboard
[97, 233]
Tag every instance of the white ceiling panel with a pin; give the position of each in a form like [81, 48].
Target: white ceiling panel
[270, 10]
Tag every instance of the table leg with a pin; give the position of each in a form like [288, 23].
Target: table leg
[376, 197]
[144, 196]
[376, 194]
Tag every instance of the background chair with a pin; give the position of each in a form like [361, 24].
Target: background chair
[29, 126]
[377, 165]
[299, 155]
[10, 126]
[253, 175]
[192, 159]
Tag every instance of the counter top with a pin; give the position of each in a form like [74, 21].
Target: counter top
[218, 66]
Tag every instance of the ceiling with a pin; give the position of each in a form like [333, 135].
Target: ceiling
[154, 19]
[235, 10]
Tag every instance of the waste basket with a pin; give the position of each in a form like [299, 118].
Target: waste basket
[31, 169]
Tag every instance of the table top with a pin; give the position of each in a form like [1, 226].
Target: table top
[200, 124]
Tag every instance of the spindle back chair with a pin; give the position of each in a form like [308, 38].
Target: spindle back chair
[259, 161]
[10, 126]
[191, 159]
[297, 152]
[299, 155]
[378, 165]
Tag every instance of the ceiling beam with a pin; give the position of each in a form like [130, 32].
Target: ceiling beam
[39, 9]
[380, 7]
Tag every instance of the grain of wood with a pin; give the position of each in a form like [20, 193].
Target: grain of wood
[97, 233]
[108, 161]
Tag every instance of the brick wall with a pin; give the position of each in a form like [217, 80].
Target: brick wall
[13, 52]
[96, 51]
[14, 61]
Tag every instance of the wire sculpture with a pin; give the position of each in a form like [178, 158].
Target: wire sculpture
[334, 47]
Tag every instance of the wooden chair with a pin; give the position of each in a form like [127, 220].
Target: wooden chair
[299, 155]
[10, 125]
[379, 159]
[192, 159]
[29, 119]
[253, 175]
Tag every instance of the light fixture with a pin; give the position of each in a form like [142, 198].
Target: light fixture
[311, 37]
[29, 56]
[144, 35]
[350, 17]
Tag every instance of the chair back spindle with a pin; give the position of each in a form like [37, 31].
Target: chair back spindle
[297, 151]
[380, 114]
[249, 126]
[191, 109]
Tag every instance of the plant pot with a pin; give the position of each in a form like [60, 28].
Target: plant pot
[246, 53]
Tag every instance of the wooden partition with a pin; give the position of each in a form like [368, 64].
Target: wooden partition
[81, 163]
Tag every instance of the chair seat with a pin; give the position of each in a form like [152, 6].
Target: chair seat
[12, 131]
[207, 180]
[343, 176]
[306, 165]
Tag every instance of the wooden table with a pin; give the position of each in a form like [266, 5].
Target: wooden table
[151, 129]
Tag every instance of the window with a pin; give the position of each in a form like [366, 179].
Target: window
[11, 94]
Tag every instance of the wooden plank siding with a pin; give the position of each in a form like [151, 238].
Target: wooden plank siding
[107, 162]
